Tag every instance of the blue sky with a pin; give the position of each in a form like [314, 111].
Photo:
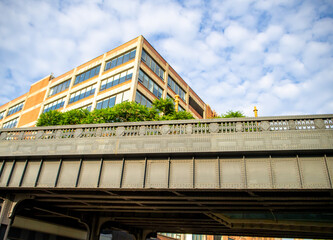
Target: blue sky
[237, 54]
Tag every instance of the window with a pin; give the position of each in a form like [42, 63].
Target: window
[2, 114]
[139, 98]
[60, 87]
[16, 108]
[120, 60]
[117, 79]
[54, 105]
[152, 64]
[197, 237]
[86, 75]
[196, 106]
[150, 84]
[176, 88]
[173, 235]
[86, 92]
[113, 100]
[106, 103]
[10, 124]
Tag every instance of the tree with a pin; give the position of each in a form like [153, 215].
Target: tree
[123, 112]
[179, 116]
[167, 108]
[105, 115]
[50, 118]
[133, 112]
[164, 106]
[75, 116]
[232, 114]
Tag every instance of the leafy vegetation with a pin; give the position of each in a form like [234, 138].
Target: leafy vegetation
[232, 114]
[162, 109]
[164, 106]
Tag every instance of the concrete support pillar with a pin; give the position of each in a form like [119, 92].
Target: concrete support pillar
[94, 229]
[6, 216]
[7, 213]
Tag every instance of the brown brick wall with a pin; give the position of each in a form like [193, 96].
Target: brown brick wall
[34, 100]
[29, 117]
[39, 85]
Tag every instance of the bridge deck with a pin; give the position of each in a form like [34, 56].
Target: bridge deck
[260, 176]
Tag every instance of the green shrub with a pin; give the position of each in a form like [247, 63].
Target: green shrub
[50, 118]
[75, 116]
[123, 112]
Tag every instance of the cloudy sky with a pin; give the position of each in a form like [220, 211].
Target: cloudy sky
[237, 54]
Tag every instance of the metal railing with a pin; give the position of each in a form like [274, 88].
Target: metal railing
[179, 127]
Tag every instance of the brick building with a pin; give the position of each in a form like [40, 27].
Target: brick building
[134, 71]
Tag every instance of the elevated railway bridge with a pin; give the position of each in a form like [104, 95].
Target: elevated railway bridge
[267, 176]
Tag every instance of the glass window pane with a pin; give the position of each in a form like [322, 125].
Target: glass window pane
[137, 97]
[116, 80]
[148, 61]
[113, 63]
[151, 85]
[161, 74]
[176, 89]
[86, 76]
[129, 76]
[145, 81]
[122, 77]
[97, 70]
[140, 76]
[92, 72]
[119, 60]
[160, 93]
[107, 66]
[132, 54]
[99, 105]
[108, 85]
[144, 56]
[105, 103]
[126, 57]
[173, 85]
[112, 101]
[153, 65]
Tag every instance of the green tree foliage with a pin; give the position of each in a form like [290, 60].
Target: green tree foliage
[164, 106]
[133, 112]
[75, 116]
[232, 114]
[178, 116]
[106, 115]
[50, 118]
[123, 112]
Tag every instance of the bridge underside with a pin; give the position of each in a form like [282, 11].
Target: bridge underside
[304, 213]
[281, 195]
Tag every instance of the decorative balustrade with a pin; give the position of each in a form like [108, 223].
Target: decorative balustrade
[180, 127]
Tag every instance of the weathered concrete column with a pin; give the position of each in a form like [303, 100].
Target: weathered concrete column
[6, 217]
[94, 228]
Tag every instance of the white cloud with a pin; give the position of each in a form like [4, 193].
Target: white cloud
[234, 54]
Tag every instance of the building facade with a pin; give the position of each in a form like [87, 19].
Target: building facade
[177, 236]
[134, 71]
